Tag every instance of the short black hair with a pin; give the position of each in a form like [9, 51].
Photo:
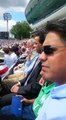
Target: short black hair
[6, 50]
[58, 27]
[41, 34]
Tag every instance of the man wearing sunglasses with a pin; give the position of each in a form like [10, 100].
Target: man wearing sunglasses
[53, 60]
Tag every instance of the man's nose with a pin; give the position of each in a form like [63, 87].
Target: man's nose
[43, 56]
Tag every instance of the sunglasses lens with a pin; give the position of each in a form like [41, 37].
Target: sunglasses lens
[48, 50]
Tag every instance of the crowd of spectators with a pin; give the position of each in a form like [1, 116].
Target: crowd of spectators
[43, 88]
[10, 42]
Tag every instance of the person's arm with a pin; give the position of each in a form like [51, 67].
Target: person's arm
[23, 81]
[29, 52]
[33, 87]
[28, 58]
[28, 101]
[15, 87]
[31, 90]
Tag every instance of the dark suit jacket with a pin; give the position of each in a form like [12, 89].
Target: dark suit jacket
[32, 88]
[29, 91]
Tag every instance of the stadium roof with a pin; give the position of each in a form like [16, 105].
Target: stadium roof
[39, 10]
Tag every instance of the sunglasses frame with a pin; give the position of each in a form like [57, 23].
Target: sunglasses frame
[50, 49]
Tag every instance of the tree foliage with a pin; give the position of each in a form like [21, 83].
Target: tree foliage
[21, 30]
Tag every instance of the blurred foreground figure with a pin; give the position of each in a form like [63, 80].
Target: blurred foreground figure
[53, 60]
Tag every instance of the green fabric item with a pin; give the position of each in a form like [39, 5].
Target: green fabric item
[44, 93]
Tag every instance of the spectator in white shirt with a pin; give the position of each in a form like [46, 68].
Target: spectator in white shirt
[13, 55]
[7, 57]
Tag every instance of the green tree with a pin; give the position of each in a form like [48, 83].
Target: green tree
[21, 30]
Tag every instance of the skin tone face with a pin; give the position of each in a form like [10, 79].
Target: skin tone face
[30, 43]
[37, 45]
[54, 65]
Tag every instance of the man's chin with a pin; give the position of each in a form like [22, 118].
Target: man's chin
[42, 74]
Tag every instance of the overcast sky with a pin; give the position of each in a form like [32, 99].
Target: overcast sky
[16, 8]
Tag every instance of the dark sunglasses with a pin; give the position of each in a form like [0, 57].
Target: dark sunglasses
[48, 49]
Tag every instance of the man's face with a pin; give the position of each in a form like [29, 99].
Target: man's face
[29, 44]
[37, 45]
[54, 60]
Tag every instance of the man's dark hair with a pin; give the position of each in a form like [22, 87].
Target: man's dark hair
[58, 27]
[41, 34]
[6, 50]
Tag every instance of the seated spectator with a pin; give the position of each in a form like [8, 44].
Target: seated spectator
[23, 50]
[30, 43]
[34, 50]
[31, 59]
[32, 111]
[53, 60]
[15, 49]
[28, 87]
[7, 57]
[13, 55]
